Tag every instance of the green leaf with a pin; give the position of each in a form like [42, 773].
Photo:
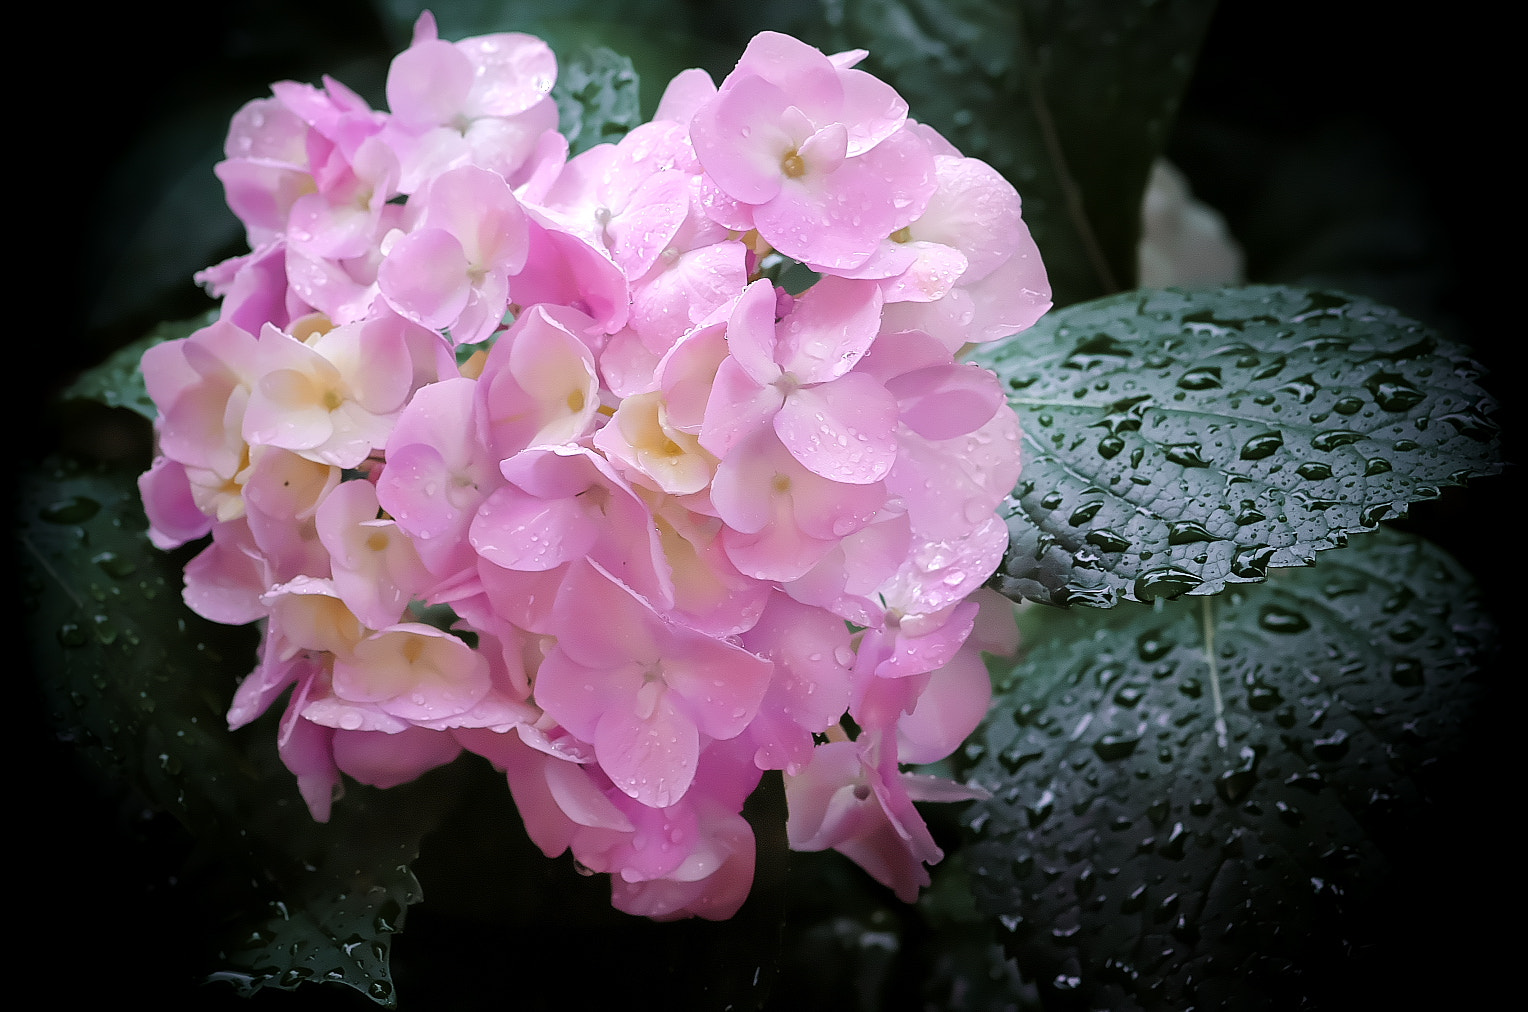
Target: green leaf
[142, 686]
[137, 680]
[597, 98]
[1071, 102]
[118, 382]
[1182, 441]
[1193, 803]
[336, 893]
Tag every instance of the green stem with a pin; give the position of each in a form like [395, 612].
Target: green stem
[1207, 622]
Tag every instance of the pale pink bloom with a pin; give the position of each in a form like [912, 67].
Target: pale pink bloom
[781, 518]
[710, 595]
[712, 882]
[265, 169]
[282, 493]
[686, 92]
[482, 101]
[226, 580]
[334, 397]
[307, 751]
[340, 220]
[538, 385]
[651, 451]
[563, 269]
[307, 614]
[629, 198]
[406, 674]
[201, 385]
[813, 658]
[701, 271]
[387, 760]
[811, 153]
[558, 800]
[254, 288]
[174, 518]
[948, 709]
[796, 377]
[852, 799]
[307, 624]
[375, 568]
[643, 690]
[437, 474]
[564, 503]
[452, 271]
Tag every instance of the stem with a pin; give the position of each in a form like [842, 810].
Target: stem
[1207, 622]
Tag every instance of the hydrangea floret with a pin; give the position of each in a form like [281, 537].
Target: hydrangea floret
[684, 526]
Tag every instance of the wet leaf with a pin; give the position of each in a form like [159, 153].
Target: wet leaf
[141, 685]
[597, 98]
[1143, 480]
[1188, 820]
[118, 383]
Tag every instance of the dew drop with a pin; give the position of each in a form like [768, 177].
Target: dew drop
[1204, 378]
[1166, 582]
[1262, 445]
[1333, 438]
[1108, 540]
[1392, 392]
[1112, 747]
[1276, 618]
[1185, 532]
[73, 510]
[1251, 563]
[1082, 514]
[1348, 405]
[1185, 454]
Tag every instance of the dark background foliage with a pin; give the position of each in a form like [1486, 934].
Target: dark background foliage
[1346, 148]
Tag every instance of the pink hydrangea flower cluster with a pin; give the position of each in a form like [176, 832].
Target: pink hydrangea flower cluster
[685, 527]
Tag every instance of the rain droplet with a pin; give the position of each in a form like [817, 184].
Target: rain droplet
[73, 510]
[1107, 540]
[1112, 747]
[1165, 581]
[1186, 454]
[1204, 378]
[1153, 646]
[1348, 405]
[1331, 748]
[1333, 438]
[1249, 514]
[1262, 445]
[1303, 387]
[1084, 513]
[1252, 562]
[1185, 532]
[1276, 618]
[115, 565]
[1392, 391]
[1406, 672]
